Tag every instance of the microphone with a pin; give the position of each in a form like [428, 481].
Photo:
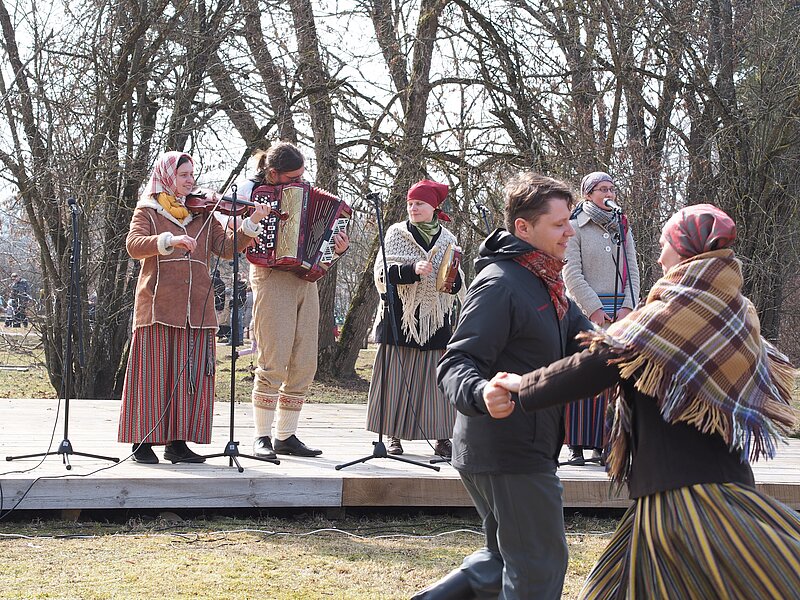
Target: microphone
[73, 205]
[612, 205]
[373, 196]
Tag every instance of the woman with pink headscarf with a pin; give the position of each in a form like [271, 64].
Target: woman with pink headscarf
[700, 395]
[168, 394]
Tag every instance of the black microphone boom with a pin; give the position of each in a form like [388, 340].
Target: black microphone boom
[609, 203]
[73, 205]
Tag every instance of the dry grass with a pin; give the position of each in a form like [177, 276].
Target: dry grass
[346, 391]
[274, 559]
[22, 371]
[218, 559]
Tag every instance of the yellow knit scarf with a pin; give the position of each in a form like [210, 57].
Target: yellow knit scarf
[171, 204]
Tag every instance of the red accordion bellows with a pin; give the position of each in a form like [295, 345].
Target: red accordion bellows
[300, 240]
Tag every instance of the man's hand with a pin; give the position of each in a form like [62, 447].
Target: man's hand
[340, 242]
[497, 397]
[260, 212]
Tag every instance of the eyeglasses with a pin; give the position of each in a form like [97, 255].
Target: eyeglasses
[605, 190]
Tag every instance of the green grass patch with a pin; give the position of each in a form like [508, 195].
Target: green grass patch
[22, 367]
[302, 557]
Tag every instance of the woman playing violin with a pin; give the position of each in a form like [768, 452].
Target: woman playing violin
[168, 393]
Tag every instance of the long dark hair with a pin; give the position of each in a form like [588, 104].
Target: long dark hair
[282, 156]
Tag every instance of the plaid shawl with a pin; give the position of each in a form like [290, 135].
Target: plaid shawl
[695, 346]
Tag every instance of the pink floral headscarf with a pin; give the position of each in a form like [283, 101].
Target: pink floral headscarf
[165, 175]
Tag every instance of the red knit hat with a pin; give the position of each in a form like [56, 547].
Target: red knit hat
[432, 193]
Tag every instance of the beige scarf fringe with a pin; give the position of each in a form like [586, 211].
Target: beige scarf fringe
[433, 306]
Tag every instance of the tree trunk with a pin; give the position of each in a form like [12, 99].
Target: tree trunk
[410, 160]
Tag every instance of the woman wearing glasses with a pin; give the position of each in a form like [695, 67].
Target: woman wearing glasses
[602, 277]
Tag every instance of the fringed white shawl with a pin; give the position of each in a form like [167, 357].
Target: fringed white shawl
[433, 306]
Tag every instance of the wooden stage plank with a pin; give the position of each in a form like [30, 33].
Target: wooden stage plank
[26, 426]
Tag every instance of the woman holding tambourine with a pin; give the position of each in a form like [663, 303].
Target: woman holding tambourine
[423, 260]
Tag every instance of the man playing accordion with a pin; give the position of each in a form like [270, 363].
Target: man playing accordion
[285, 308]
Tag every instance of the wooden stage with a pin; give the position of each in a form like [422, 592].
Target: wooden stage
[338, 429]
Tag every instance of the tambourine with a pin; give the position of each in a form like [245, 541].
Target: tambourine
[448, 269]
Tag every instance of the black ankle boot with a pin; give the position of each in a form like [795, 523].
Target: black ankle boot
[576, 456]
[453, 586]
[143, 453]
[177, 451]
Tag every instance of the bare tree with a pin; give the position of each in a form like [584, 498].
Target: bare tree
[688, 101]
[92, 133]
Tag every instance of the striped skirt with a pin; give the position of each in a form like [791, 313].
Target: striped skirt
[415, 407]
[585, 421]
[169, 386]
[705, 541]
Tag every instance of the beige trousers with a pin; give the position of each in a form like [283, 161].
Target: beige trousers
[285, 321]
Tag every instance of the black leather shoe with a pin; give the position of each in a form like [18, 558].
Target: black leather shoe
[262, 447]
[395, 447]
[444, 449]
[598, 457]
[576, 456]
[292, 445]
[143, 453]
[453, 586]
[178, 451]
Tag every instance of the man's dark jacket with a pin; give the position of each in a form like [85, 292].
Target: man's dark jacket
[508, 323]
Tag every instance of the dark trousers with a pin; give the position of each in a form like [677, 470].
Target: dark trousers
[525, 556]
[238, 338]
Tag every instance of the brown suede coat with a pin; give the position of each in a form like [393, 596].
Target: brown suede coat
[174, 287]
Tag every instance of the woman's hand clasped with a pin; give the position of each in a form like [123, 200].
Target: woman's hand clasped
[497, 394]
[622, 313]
[599, 317]
[423, 268]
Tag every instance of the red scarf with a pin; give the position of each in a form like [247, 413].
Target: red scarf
[548, 269]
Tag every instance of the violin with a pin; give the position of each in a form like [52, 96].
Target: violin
[207, 201]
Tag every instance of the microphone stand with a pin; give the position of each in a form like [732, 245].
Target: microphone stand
[65, 447]
[232, 448]
[379, 448]
[616, 235]
[485, 215]
[619, 238]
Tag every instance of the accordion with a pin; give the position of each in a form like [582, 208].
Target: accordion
[298, 234]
